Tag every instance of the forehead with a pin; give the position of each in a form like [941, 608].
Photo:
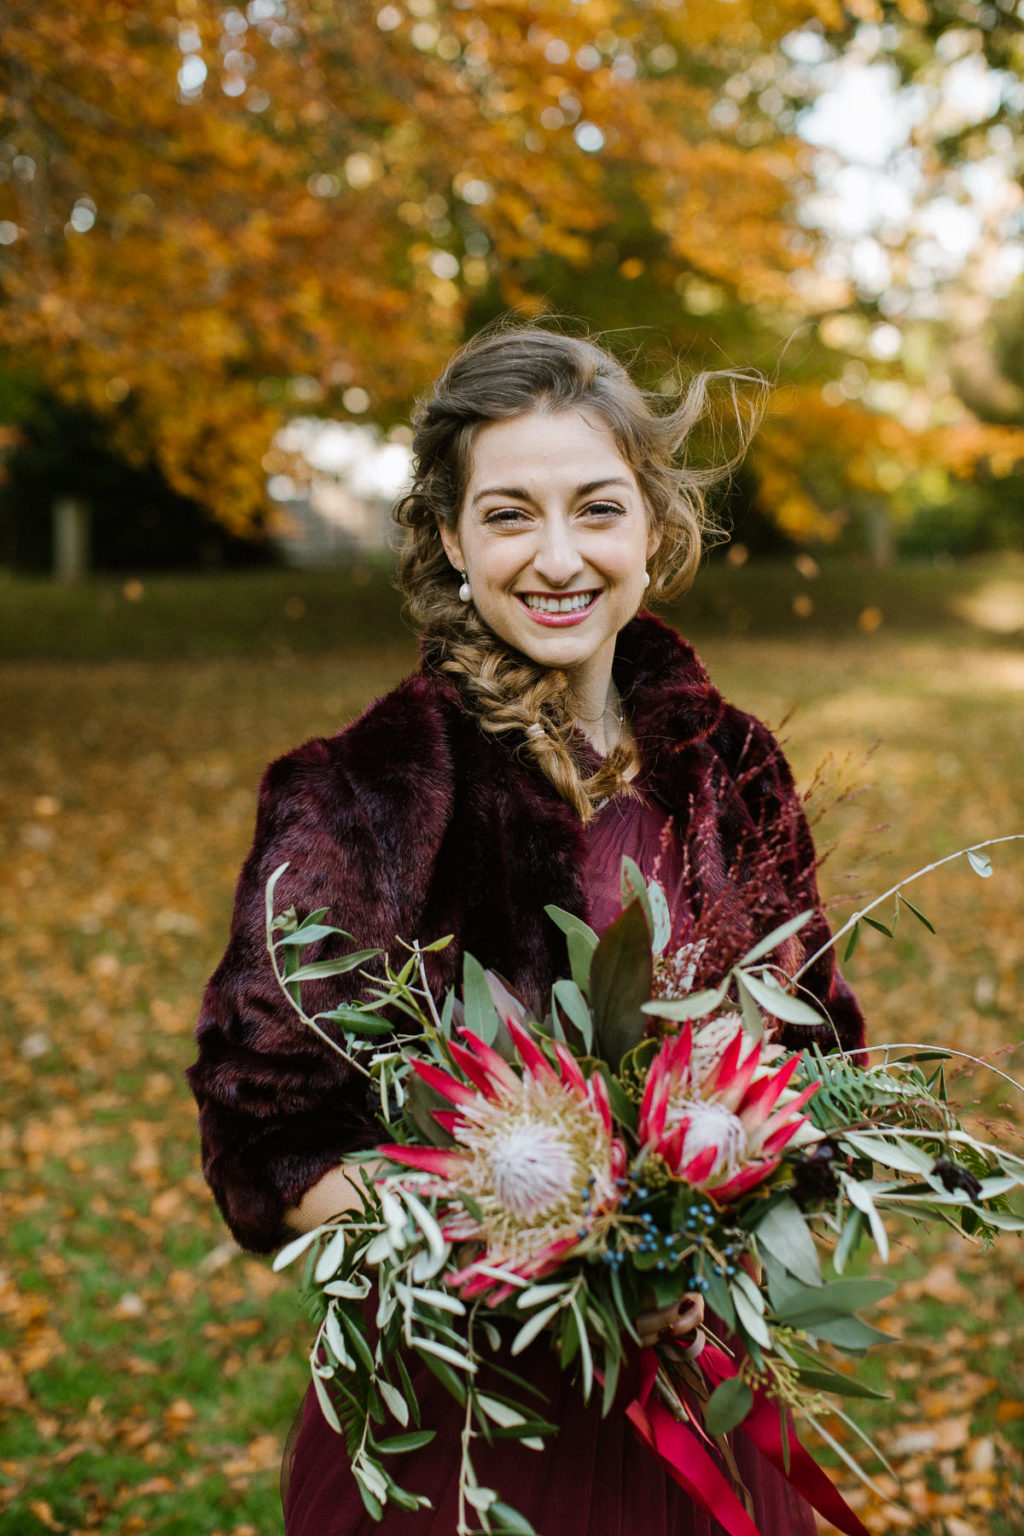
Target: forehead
[569, 443]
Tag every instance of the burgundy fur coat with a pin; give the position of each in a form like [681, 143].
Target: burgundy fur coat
[413, 823]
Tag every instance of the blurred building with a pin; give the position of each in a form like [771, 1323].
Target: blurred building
[334, 483]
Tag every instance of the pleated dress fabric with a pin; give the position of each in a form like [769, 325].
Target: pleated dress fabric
[594, 1478]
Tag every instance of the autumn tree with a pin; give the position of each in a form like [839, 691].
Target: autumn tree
[212, 216]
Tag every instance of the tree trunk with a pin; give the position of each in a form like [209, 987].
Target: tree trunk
[70, 539]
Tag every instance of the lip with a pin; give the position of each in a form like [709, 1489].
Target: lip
[556, 620]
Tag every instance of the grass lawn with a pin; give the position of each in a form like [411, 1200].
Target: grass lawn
[148, 1370]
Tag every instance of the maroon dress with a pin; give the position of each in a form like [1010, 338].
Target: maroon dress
[593, 1478]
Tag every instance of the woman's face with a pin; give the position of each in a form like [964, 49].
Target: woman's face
[554, 537]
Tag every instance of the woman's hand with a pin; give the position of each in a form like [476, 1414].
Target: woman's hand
[671, 1325]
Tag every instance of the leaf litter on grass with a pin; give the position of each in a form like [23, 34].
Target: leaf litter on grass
[148, 1369]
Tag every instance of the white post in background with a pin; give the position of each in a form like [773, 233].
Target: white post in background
[70, 539]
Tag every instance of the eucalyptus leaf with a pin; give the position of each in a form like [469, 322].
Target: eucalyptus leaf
[580, 952]
[852, 1334]
[813, 1305]
[902, 1155]
[750, 1319]
[853, 1231]
[820, 1380]
[859, 1194]
[481, 1014]
[570, 923]
[786, 1235]
[573, 1005]
[728, 1406]
[793, 1010]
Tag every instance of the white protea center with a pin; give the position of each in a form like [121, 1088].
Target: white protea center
[526, 1159]
[532, 1169]
[711, 1124]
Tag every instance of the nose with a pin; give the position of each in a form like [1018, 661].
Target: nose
[558, 558]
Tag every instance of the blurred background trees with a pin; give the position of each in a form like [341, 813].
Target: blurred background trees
[215, 218]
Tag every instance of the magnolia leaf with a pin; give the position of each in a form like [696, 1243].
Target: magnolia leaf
[397, 1444]
[979, 862]
[621, 975]
[728, 1406]
[695, 1006]
[336, 1340]
[397, 1404]
[538, 1294]
[793, 1010]
[500, 1412]
[786, 1235]
[297, 1245]
[534, 1325]
[481, 1015]
[586, 1358]
[480, 1498]
[329, 1261]
[509, 1522]
[327, 1408]
[349, 1290]
[443, 1352]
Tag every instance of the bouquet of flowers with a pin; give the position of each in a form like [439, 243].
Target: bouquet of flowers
[643, 1140]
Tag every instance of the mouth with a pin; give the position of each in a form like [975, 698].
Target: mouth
[547, 607]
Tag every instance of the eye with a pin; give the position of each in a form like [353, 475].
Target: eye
[504, 517]
[605, 509]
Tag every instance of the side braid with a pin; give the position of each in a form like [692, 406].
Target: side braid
[508, 371]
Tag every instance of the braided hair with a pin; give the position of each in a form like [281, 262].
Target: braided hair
[510, 371]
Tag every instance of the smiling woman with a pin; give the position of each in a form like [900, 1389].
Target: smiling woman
[552, 730]
[552, 496]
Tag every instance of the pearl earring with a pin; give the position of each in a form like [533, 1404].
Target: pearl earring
[647, 578]
[465, 592]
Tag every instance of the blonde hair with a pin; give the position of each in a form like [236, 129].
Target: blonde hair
[508, 372]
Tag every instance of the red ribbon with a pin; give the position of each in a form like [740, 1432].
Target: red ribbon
[685, 1459]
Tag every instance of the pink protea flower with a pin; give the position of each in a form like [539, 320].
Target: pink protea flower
[718, 1118]
[535, 1152]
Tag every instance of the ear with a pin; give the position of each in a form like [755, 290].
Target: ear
[653, 541]
[452, 548]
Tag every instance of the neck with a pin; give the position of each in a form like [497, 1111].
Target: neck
[597, 705]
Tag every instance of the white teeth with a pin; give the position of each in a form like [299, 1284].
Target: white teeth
[573, 604]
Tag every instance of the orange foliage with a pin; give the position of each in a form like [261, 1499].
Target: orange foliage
[212, 215]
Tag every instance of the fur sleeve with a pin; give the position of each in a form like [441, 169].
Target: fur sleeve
[765, 782]
[277, 1107]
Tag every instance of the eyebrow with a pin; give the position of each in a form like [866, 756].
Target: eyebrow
[517, 493]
